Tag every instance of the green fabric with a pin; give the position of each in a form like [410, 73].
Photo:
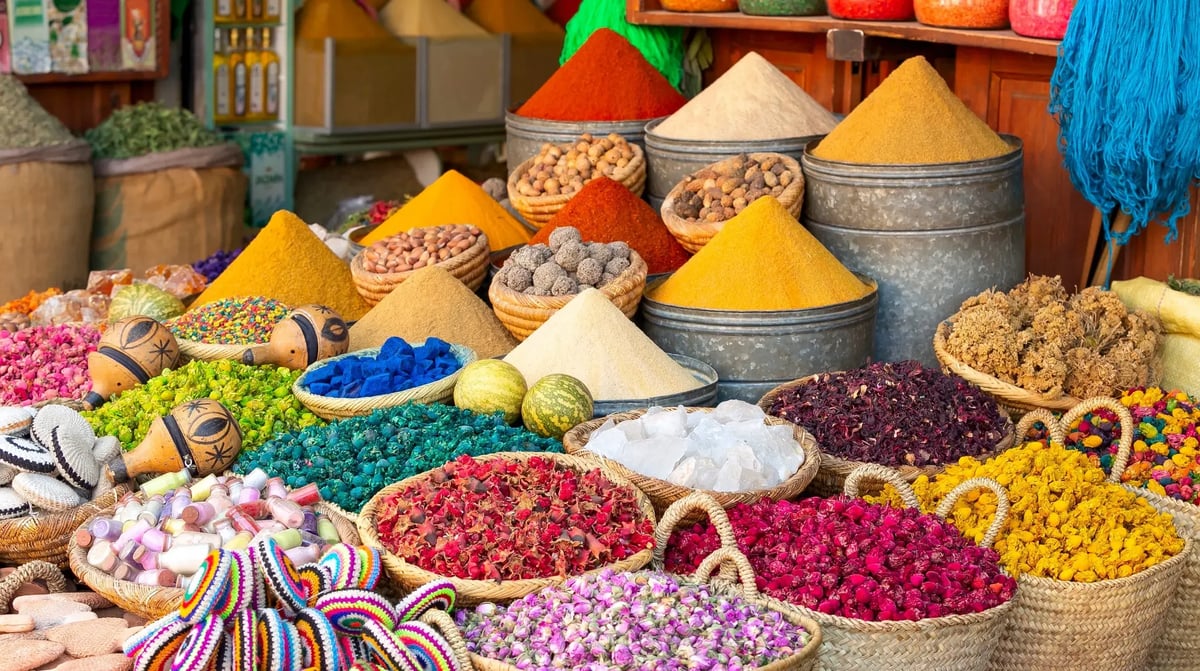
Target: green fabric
[662, 47]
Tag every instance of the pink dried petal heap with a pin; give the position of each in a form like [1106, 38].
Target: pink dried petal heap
[45, 362]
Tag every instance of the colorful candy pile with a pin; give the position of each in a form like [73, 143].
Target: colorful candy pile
[255, 608]
[44, 363]
[353, 458]
[164, 539]
[230, 321]
[397, 366]
[1166, 442]
[260, 398]
[50, 460]
[645, 620]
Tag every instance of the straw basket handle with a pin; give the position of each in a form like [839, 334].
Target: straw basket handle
[1124, 446]
[947, 505]
[1057, 432]
[884, 475]
[27, 573]
[722, 557]
[444, 624]
[680, 510]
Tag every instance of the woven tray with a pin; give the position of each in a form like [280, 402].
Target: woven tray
[153, 602]
[470, 267]
[662, 493]
[326, 407]
[1015, 400]
[522, 314]
[408, 576]
[693, 235]
[194, 350]
[831, 478]
[539, 210]
[44, 536]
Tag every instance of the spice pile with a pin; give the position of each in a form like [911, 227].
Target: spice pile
[591, 340]
[1166, 442]
[397, 366]
[454, 199]
[847, 557]
[419, 247]
[762, 259]
[432, 303]
[912, 117]
[502, 519]
[49, 461]
[717, 195]
[44, 363]
[1043, 340]
[730, 449]
[239, 320]
[29, 302]
[259, 397]
[895, 414]
[564, 169]
[590, 622]
[607, 79]
[564, 266]
[753, 100]
[148, 128]
[353, 458]
[605, 211]
[1065, 521]
[25, 123]
[212, 266]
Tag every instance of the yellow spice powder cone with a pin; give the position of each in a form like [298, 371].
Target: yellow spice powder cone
[762, 259]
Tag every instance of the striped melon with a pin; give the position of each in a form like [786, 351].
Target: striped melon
[555, 404]
[491, 385]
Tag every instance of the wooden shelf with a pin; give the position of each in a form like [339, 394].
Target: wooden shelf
[650, 13]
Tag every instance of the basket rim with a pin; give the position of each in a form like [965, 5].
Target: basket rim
[464, 354]
[464, 258]
[1081, 587]
[792, 194]
[575, 442]
[199, 348]
[73, 518]
[637, 266]
[621, 175]
[470, 587]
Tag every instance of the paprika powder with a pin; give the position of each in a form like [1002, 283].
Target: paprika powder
[605, 211]
[606, 80]
[872, 10]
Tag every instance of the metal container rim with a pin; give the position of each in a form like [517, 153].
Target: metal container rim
[909, 171]
[765, 317]
[520, 122]
[700, 370]
[689, 147]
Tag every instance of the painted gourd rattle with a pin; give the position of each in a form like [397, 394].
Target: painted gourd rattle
[307, 335]
[133, 350]
[200, 436]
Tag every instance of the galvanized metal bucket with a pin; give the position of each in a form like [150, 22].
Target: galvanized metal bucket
[527, 135]
[755, 351]
[700, 397]
[930, 235]
[670, 160]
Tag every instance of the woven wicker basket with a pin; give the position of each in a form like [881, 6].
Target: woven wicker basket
[522, 314]
[155, 602]
[831, 479]
[52, 575]
[470, 267]
[44, 535]
[693, 235]
[1015, 400]
[409, 576]
[194, 350]
[662, 493]
[539, 210]
[327, 407]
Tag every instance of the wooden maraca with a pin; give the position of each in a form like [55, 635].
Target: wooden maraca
[133, 350]
[307, 335]
[201, 436]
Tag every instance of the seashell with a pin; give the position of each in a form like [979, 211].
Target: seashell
[25, 455]
[14, 421]
[45, 492]
[12, 504]
[69, 439]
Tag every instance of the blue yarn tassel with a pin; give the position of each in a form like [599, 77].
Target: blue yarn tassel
[1126, 91]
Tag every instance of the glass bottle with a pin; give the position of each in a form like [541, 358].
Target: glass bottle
[223, 11]
[1046, 19]
[256, 105]
[271, 75]
[963, 13]
[237, 66]
[272, 10]
[241, 10]
[222, 87]
[871, 10]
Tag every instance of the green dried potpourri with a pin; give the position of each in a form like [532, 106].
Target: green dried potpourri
[354, 458]
[1191, 287]
[23, 122]
[260, 398]
[148, 128]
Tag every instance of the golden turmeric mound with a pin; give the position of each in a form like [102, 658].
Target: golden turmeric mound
[1044, 340]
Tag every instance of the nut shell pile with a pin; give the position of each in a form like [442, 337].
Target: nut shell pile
[564, 169]
[419, 247]
[565, 266]
[718, 195]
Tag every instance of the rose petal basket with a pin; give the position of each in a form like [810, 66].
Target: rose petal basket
[693, 235]
[958, 642]
[408, 576]
[831, 478]
[470, 267]
[662, 493]
[153, 602]
[539, 210]
[328, 407]
[522, 313]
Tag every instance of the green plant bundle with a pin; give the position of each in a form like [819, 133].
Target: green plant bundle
[148, 128]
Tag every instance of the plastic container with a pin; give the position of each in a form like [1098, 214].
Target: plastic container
[1046, 19]
[872, 10]
[963, 13]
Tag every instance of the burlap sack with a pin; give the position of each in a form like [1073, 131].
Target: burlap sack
[46, 204]
[1180, 315]
[171, 207]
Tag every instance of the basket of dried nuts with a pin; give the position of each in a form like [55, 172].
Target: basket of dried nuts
[459, 249]
[703, 201]
[542, 185]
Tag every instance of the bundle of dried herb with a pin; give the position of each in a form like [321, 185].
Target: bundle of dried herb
[23, 122]
[148, 128]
